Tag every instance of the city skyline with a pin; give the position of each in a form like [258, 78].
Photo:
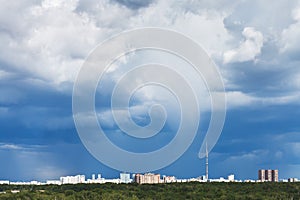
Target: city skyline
[264, 175]
[45, 43]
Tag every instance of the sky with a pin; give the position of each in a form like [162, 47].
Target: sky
[253, 43]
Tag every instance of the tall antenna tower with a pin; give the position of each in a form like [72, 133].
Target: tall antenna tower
[206, 163]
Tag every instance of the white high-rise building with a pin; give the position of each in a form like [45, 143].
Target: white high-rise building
[94, 180]
[231, 178]
[72, 179]
[125, 178]
[169, 179]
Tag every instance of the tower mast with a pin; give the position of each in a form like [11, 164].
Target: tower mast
[206, 163]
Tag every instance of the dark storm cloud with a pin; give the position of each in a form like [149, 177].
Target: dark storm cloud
[35, 113]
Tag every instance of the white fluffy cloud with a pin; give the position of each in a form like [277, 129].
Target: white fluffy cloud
[49, 40]
[290, 36]
[248, 49]
[238, 99]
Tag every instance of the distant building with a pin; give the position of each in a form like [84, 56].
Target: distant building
[202, 178]
[26, 183]
[249, 181]
[125, 178]
[53, 182]
[268, 175]
[96, 180]
[115, 180]
[148, 178]
[169, 179]
[261, 175]
[72, 179]
[293, 180]
[231, 178]
[4, 182]
[275, 175]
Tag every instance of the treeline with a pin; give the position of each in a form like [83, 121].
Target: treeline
[192, 190]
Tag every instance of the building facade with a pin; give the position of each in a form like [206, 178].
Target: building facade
[125, 178]
[169, 179]
[261, 175]
[148, 178]
[268, 175]
[72, 179]
[275, 175]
